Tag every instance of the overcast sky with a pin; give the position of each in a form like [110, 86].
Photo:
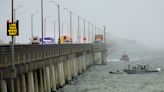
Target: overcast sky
[141, 20]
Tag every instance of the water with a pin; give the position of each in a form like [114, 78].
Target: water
[98, 79]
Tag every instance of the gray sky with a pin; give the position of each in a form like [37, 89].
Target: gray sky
[141, 20]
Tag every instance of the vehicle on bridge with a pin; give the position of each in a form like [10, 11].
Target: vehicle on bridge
[35, 40]
[47, 40]
[66, 39]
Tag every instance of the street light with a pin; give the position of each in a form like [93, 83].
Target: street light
[84, 38]
[58, 17]
[15, 9]
[42, 20]
[78, 36]
[62, 28]
[14, 18]
[88, 32]
[70, 23]
[32, 15]
[45, 24]
[92, 33]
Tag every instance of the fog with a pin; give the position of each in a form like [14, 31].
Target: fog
[140, 20]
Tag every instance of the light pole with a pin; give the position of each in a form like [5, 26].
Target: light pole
[70, 23]
[58, 17]
[78, 36]
[62, 27]
[14, 18]
[54, 29]
[45, 25]
[42, 19]
[84, 38]
[32, 15]
[88, 32]
[92, 34]
[15, 9]
[12, 37]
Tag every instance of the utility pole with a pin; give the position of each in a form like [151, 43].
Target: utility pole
[54, 29]
[88, 32]
[84, 38]
[92, 34]
[12, 37]
[78, 34]
[42, 19]
[32, 15]
[59, 22]
[71, 27]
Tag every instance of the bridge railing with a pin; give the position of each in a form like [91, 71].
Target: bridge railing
[32, 53]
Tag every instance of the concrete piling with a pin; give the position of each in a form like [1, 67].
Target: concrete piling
[103, 56]
[40, 80]
[23, 83]
[52, 78]
[10, 85]
[45, 80]
[3, 86]
[56, 76]
[36, 81]
[69, 70]
[30, 82]
[60, 72]
[16, 84]
[48, 79]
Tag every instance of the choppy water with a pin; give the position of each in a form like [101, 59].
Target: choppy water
[98, 79]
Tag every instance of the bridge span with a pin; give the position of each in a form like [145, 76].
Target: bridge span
[44, 68]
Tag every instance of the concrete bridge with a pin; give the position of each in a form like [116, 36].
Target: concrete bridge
[44, 68]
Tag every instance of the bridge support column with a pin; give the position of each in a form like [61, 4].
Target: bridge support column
[52, 77]
[87, 60]
[56, 76]
[45, 80]
[84, 62]
[71, 67]
[61, 74]
[80, 64]
[17, 85]
[103, 56]
[10, 85]
[36, 81]
[3, 86]
[30, 82]
[75, 66]
[48, 79]
[69, 71]
[40, 80]
[91, 57]
[65, 70]
[23, 83]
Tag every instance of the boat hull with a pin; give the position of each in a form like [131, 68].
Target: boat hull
[139, 71]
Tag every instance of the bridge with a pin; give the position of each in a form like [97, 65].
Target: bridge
[45, 68]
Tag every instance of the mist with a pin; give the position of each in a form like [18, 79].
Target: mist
[140, 20]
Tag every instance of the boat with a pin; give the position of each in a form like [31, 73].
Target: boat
[124, 57]
[140, 69]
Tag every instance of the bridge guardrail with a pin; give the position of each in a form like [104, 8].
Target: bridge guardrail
[31, 53]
